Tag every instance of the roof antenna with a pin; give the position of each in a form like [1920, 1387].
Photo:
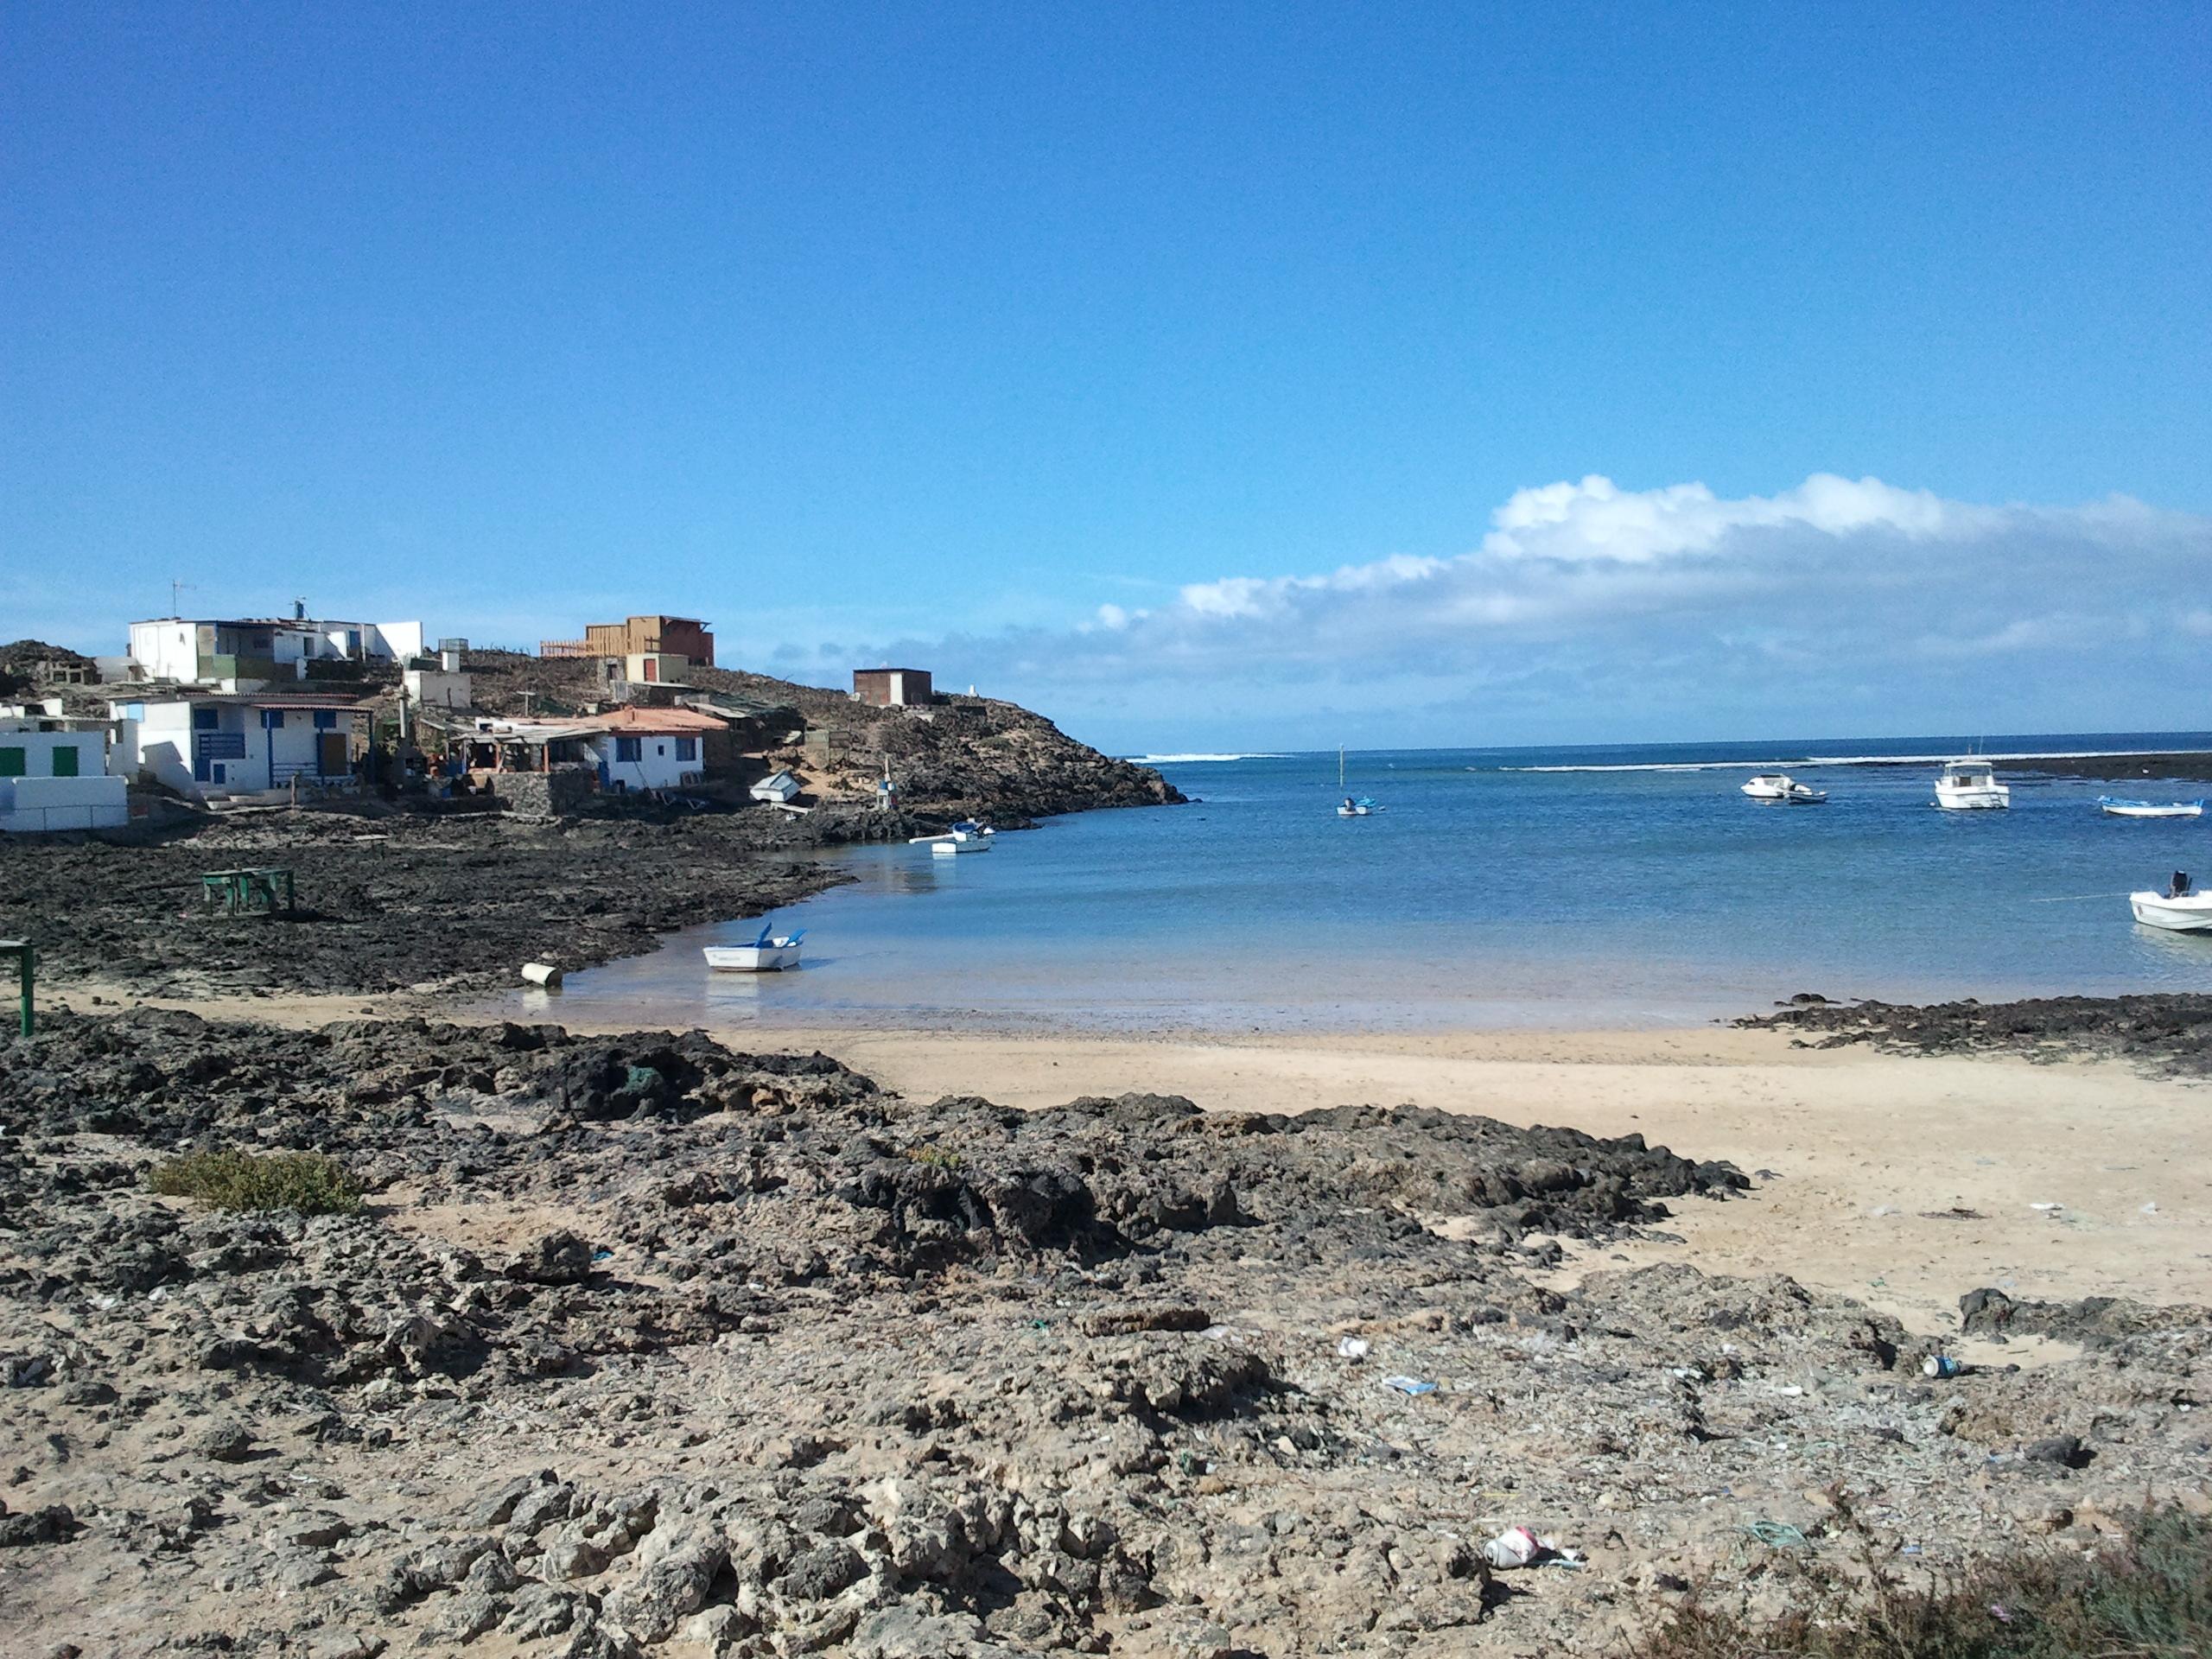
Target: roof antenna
[176, 608]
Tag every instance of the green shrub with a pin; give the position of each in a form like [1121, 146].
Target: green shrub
[935, 1157]
[305, 1181]
[2147, 1596]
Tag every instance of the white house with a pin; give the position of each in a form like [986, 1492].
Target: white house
[58, 779]
[437, 688]
[778, 788]
[652, 748]
[251, 651]
[197, 741]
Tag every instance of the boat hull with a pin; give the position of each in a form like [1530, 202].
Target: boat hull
[2130, 810]
[1982, 798]
[955, 848]
[2191, 915]
[751, 958]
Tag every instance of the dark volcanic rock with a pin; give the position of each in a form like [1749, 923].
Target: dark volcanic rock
[2168, 1033]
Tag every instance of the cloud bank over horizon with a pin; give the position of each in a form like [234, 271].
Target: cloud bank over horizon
[1588, 612]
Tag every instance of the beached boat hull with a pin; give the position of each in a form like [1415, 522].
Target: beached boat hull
[2191, 913]
[772, 957]
[953, 846]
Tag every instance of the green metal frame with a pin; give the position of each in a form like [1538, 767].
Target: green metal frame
[247, 893]
[26, 972]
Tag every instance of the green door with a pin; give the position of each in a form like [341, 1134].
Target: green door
[65, 762]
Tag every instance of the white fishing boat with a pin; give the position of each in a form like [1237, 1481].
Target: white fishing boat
[768, 954]
[1780, 786]
[965, 836]
[1363, 806]
[2179, 909]
[2119, 809]
[1970, 785]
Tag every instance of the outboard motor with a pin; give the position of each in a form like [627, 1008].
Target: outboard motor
[2180, 889]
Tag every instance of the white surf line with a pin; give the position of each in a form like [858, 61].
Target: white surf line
[1807, 762]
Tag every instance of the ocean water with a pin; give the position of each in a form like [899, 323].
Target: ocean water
[1568, 888]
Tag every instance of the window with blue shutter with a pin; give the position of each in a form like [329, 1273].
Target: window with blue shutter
[625, 748]
[272, 719]
[326, 719]
[687, 748]
[205, 719]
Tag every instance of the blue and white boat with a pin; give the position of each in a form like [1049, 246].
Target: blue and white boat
[2113, 807]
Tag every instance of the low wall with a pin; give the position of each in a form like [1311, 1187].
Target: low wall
[543, 794]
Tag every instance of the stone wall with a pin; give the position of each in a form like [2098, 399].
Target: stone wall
[543, 794]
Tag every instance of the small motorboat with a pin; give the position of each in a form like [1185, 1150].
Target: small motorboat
[965, 836]
[1780, 786]
[1969, 785]
[2179, 909]
[768, 954]
[2119, 809]
[1361, 808]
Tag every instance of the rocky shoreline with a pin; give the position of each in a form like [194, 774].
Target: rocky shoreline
[639, 1346]
[2170, 1033]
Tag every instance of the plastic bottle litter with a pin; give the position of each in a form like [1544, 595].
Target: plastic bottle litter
[1351, 1348]
[1941, 1367]
[1408, 1385]
[1515, 1546]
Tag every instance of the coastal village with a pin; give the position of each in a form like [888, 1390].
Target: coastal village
[216, 715]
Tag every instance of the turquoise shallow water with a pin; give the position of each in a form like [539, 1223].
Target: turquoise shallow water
[1634, 887]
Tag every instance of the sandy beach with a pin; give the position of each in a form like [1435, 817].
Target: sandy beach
[1901, 1181]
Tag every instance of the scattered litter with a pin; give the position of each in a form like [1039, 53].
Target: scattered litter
[1351, 1348]
[2047, 1209]
[1883, 1210]
[1515, 1546]
[105, 1303]
[1790, 1389]
[1408, 1385]
[2151, 1207]
[1941, 1367]
[158, 1293]
[602, 1254]
[542, 973]
[1956, 1212]
[1777, 1535]
[1910, 1550]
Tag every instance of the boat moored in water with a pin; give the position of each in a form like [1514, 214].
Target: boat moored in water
[1782, 787]
[769, 953]
[2180, 909]
[1970, 785]
[2113, 808]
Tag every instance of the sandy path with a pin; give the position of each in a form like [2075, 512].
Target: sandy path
[1871, 1152]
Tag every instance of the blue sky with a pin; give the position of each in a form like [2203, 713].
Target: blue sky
[1000, 338]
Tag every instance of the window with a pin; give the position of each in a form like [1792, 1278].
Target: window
[273, 719]
[65, 760]
[687, 748]
[625, 748]
[326, 719]
[205, 719]
[11, 762]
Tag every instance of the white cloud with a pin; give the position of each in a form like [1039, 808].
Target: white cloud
[1833, 605]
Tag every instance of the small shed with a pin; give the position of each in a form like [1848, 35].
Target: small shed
[777, 789]
[891, 688]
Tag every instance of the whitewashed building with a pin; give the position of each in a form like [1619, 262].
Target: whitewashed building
[249, 652]
[653, 748]
[57, 779]
[236, 742]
